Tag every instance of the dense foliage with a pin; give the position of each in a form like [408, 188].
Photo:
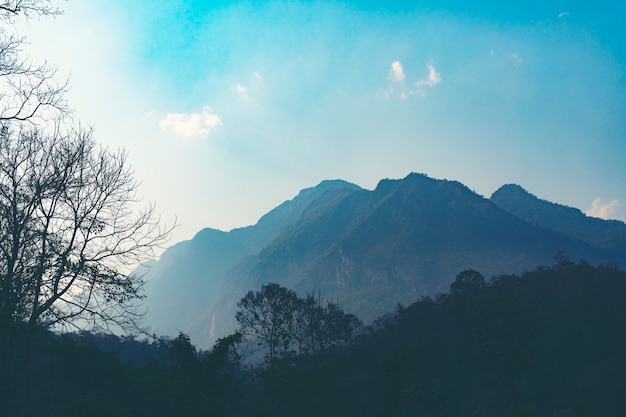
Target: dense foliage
[549, 342]
[284, 325]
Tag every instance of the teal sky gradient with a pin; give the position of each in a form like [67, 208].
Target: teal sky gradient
[229, 108]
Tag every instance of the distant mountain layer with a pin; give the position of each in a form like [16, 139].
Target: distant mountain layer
[370, 250]
[189, 276]
[605, 234]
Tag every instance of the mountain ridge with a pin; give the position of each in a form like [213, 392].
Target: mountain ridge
[415, 221]
[190, 273]
[370, 249]
[606, 234]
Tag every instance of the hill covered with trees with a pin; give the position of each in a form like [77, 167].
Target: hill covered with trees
[546, 342]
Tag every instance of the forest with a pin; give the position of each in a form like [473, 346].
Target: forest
[548, 342]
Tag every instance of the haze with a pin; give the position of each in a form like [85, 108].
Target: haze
[229, 108]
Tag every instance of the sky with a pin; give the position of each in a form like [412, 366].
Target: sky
[229, 108]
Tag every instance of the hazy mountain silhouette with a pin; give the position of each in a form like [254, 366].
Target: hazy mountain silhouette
[605, 234]
[369, 249]
[188, 276]
[406, 239]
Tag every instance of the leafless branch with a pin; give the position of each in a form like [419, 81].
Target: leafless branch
[70, 231]
[29, 92]
[28, 8]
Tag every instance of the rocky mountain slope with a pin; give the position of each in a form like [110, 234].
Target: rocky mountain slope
[189, 275]
[369, 250]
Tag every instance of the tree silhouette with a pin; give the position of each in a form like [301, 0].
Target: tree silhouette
[183, 355]
[286, 325]
[69, 236]
[29, 92]
[70, 226]
[69, 233]
[268, 315]
[468, 281]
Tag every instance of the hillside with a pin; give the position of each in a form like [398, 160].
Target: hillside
[406, 239]
[188, 277]
[548, 342]
[369, 249]
[606, 234]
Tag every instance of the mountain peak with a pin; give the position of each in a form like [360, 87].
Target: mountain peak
[516, 200]
[426, 187]
[370, 248]
[323, 186]
[570, 221]
[413, 177]
[290, 210]
[511, 191]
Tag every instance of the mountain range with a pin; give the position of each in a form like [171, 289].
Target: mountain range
[368, 249]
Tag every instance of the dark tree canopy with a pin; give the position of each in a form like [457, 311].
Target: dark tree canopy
[286, 325]
[268, 315]
[468, 281]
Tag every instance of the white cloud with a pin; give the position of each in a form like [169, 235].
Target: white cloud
[406, 94]
[242, 92]
[602, 209]
[563, 14]
[191, 125]
[397, 72]
[433, 78]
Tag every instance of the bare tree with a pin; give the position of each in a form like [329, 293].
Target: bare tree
[71, 227]
[28, 91]
[70, 232]
[11, 8]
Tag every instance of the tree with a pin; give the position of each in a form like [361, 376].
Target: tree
[183, 355]
[225, 352]
[308, 324]
[468, 281]
[69, 233]
[70, 226]
[268, 315]
[336, 328]
[27, 7]
[321, 326]
[222, 376]
[286, 325]
[28, 91]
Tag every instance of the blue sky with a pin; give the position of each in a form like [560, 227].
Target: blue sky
[229, 108]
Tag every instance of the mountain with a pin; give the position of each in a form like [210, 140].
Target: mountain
[188, 276]
[606, 234]
[406, 239]
[369, 250]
